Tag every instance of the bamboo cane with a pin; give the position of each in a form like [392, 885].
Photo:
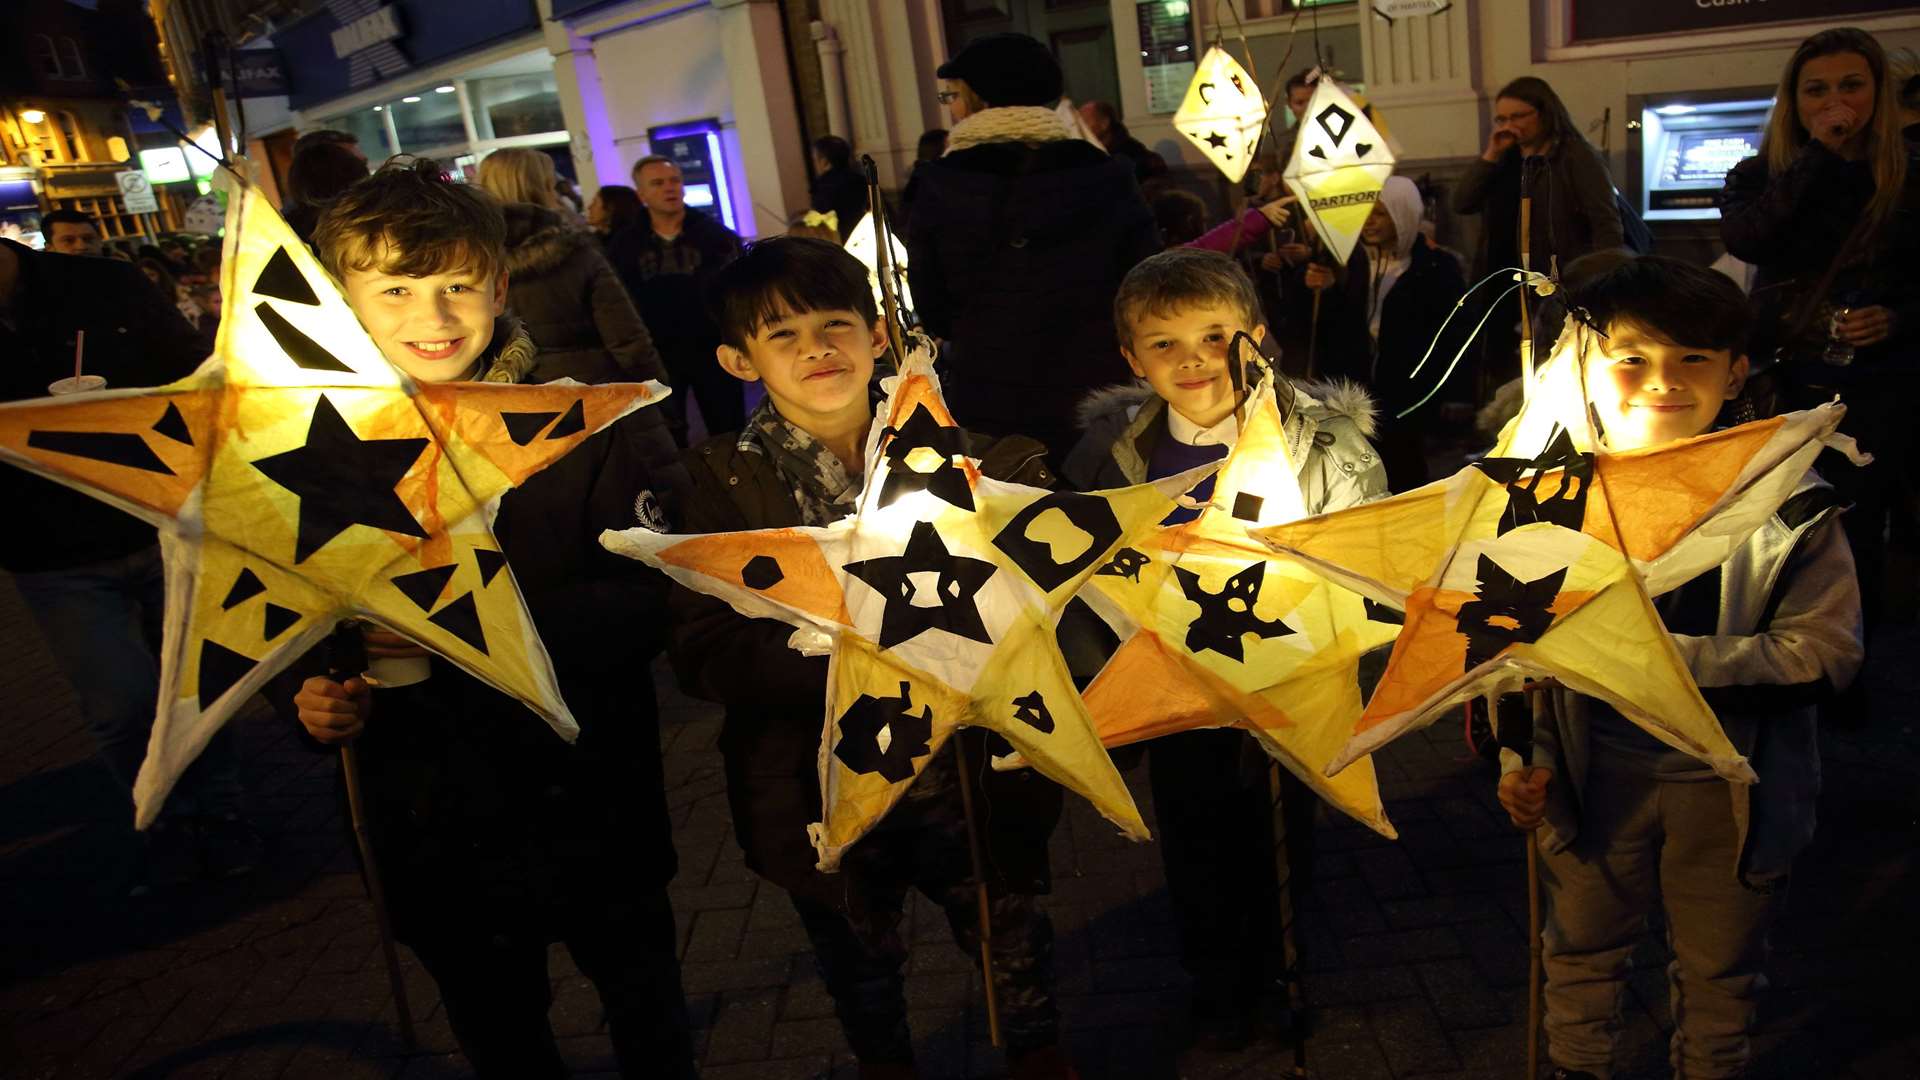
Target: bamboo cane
[980, 886]
[376, 893]
[1289, 950]
[1538, 698]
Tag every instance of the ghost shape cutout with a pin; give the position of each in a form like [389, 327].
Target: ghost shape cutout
[1223, 113]
[1340, 162]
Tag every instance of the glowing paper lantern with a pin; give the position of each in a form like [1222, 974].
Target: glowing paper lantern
[298, 479]
[1217, 631]
[1340, 161]
[940, 593]
[862, 245]
[1539, 560]
[1223, 113]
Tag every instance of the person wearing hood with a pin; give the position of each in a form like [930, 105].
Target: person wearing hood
[1381, 319]
[1020, 236]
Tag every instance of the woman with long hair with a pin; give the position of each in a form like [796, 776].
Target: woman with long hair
[1828, 213]
[614, 207]
[520, 175]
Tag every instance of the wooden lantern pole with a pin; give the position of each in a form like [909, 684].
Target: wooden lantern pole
[980, 887]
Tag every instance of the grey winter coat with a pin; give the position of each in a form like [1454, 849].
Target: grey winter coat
[1327, 435]
[1789, 635]
[573, 303]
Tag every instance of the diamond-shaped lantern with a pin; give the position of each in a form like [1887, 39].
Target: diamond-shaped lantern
[1223, 113]
[1340, 161]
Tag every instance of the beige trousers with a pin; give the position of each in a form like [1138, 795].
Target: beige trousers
[1642, 843]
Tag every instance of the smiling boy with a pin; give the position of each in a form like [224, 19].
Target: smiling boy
[1177, 315]
[1632, 823]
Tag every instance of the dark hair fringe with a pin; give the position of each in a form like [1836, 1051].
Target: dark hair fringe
[65, 216]
[1685, 304]
[429, 224]
[783, 276]
[1180, 277]
[837, 151]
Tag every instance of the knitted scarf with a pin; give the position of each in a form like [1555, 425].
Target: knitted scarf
[1016, 123]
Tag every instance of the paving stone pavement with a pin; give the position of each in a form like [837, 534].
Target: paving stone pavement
[1414, 951]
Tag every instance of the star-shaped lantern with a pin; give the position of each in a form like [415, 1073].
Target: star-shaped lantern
[1223, 113]
[1539, 560]
[1217, 631]
[297, 478]
[941, 593]
[1340, 161]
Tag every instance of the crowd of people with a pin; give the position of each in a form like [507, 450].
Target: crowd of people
[1083, 305]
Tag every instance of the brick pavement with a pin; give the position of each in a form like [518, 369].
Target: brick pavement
[1414, 952]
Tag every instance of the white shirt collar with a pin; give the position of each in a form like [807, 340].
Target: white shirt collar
[1224, 433]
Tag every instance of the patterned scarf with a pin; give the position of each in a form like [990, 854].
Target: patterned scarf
[820, 482]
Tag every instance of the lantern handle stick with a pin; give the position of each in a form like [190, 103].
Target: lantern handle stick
[1289, 948]
[79, 351]
[980, 888]
[883, 261]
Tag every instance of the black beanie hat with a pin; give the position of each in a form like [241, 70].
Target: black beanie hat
[1007, 69]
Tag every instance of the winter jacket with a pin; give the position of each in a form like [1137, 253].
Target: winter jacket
[572, 303]
[1788, 635]
[1792, 226]
[1411, 313]
[775, 698]
[1574, 209]
[668, 281]
[843, 192]
[1326, 433]
[135, 337]
[486, 822]
[1016, 251]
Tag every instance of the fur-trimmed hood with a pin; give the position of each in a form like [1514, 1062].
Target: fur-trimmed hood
[539, 239]
[1342, 398]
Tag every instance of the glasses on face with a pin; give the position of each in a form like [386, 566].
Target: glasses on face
[948, 97]
[1515, 117]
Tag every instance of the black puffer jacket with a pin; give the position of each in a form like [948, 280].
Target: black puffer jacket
[775, 697]
[1015, 254]
[572, 302]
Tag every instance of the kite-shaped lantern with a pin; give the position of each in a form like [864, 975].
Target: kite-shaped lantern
[1340, 161]
[941, 593]
[1538, 561]
[1219, 631]
[297, 479]
[1223, 113]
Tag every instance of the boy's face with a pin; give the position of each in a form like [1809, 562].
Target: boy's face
[433, 328]
[1647, 391]
[815, 365]
[1183, 355]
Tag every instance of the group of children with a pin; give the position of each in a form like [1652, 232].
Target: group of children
[497, 839]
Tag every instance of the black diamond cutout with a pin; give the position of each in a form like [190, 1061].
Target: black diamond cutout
[282, 280]
[423, 587]
[489, 563]
[173, 425]
[462, 619]
[278, 619]
[344, 480]
[524, 427]
[1331, 115]
[1246, 506]
[761, 573]
[245, 587]
[573, 423]
[112, 447]
[220, 668]
[299, 348]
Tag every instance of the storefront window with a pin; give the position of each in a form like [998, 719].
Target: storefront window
[515, 105]
[368, 126]
[428, 119]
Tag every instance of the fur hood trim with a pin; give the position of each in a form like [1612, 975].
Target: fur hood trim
[1338, 397]
[1107, 400]
[539, 240]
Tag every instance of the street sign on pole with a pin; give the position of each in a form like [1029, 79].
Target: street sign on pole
[136, 192]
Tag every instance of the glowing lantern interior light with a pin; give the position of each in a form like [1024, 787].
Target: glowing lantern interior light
[1223, 113]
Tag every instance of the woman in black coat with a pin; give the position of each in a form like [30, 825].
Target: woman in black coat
[1020, 236]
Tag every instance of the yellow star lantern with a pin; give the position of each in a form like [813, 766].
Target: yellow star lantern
[297, 478]
[1223, 113]
[1340, 161]
[1218, 632]
[1538, 561]
[941, 593]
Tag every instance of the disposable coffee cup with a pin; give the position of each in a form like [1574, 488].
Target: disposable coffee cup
[76, 384]
[393, 671]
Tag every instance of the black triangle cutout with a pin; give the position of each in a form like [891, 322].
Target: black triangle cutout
[299, 348]
[524, 427]
[573, 423]
[220, 668]
[489, 563]
[423, 587]
[278, 619]
[173, 425]
[245, 587]
[462, 619]
[284, 281]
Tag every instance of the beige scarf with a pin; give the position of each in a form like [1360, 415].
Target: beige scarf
[1015, 123]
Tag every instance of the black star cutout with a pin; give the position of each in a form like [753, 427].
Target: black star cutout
[1217, 140]
[1507, 611]
[946, 480]
[1227, 616]
[344, 480]
[860, 747]
[959, 578]
[1566, 507]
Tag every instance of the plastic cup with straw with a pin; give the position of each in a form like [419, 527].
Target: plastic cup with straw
[78, 383]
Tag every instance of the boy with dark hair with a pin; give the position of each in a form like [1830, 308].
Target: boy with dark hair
[1176, 316]
[495, 837]
[797, 314]
[1630, 822]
